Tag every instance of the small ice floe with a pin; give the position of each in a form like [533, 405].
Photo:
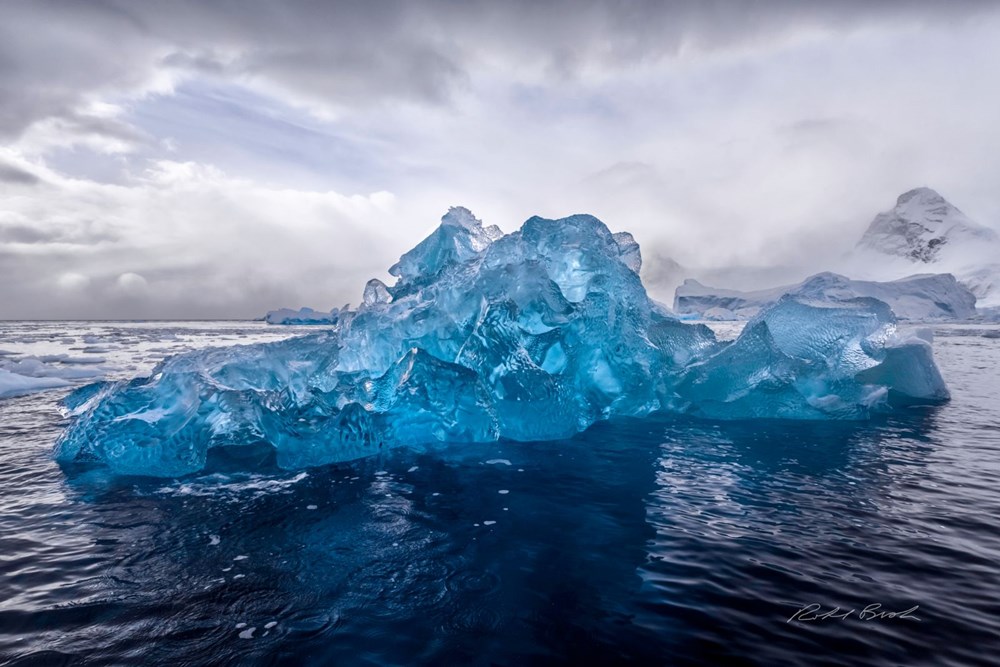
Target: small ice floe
[312, 507]
[214, 540]
[488, 523]
[503, 492]
[493, 462]
[241, 557]
[14, 384]
[270, 625]
[413, 469]
[66, 359]
[248, 633]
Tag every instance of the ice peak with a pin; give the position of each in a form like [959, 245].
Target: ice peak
[460, 237]
[459, 216]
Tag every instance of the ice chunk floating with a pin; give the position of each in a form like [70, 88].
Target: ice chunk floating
[532, 335]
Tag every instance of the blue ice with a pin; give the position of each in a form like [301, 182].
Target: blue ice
[532, 335]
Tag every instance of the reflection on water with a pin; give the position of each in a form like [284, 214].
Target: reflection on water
[659, 541]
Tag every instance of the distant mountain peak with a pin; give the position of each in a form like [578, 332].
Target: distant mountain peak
[920, 226]
[922, 194]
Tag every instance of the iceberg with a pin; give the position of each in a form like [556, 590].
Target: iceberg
[923, 297]
[814, 359]
[288, 316]
[532, 335]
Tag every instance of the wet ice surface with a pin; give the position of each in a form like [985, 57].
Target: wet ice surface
[661, 541]
[533, 335]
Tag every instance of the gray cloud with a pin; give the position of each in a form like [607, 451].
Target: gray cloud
[23, 234]
[12, 174]
[55, 53]
[210, 147]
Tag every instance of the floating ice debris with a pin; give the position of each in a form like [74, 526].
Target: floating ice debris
[533, 335]
[15, 384]
[488, 523]
[492, 462]
[301, 316]
[214, 540]
[248, 633]
[312, 507]
[270, 624]
[503, 492]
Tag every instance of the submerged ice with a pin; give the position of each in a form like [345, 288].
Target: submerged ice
[531, 335]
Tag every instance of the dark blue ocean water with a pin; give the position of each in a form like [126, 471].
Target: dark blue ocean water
[654, 542]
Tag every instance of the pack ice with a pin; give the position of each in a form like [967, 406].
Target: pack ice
[532, 335]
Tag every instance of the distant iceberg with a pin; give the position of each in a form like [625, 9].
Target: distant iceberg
[923, 298]
[533, 335]
[301, 316]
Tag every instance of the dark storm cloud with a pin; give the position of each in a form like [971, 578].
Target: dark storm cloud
[222, 157]
[23, 234]
[11, 174]
[55, 53]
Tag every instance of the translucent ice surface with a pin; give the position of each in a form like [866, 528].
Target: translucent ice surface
[531, 335]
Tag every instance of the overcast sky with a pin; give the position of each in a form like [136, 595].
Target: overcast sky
[221, 158]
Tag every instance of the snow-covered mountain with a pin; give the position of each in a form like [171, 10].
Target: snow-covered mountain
[923, 227]
[926, 233]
